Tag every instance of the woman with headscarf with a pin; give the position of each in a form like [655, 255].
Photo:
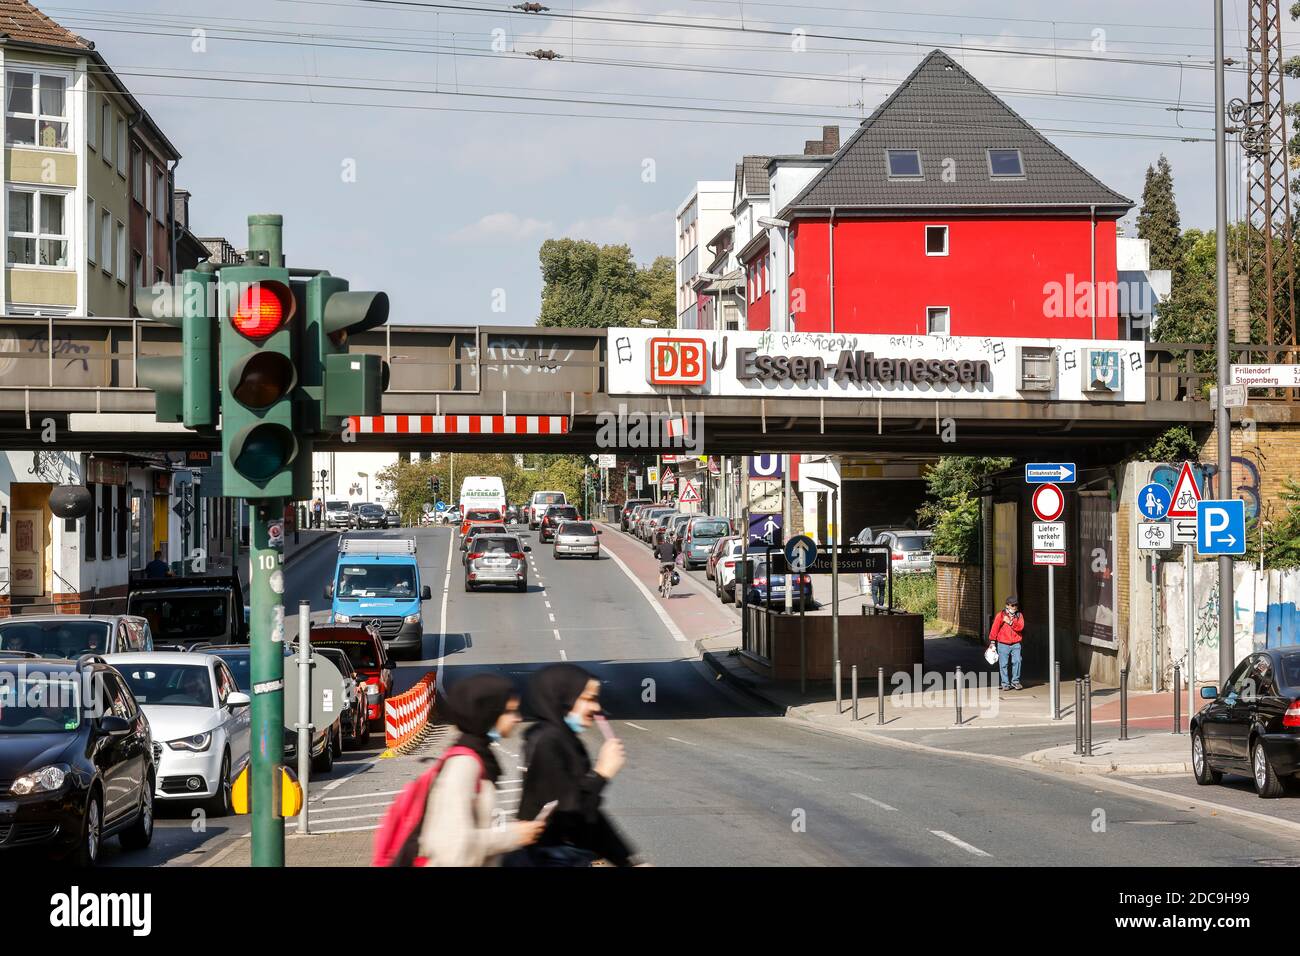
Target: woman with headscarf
[460, 826]
[565, 699]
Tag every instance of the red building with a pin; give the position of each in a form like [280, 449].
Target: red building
[946, 213]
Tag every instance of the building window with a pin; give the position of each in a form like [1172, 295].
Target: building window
[160, 197]
[91, 234]
[137, 175]
[937, 320]
[904, 163]
[137, 270]
[121, 521]
[38, 230]
[158, 277]
[120, 258]
[106, 242]
[92, 132]
[121, 147]
[936, 240]
[106, 526]
[106, 133]
[1005, 163]
[37, 110]
[88, 525]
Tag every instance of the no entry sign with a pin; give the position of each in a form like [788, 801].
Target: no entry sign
[1048, 502]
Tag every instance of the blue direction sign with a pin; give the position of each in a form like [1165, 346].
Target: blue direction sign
[1154, 501]
[1057, 472]
[441, 506]
[800, 552]
[1221, 527]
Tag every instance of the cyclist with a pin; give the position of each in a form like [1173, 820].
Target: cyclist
[667, 562]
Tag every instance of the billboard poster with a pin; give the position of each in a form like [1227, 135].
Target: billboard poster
[1096, 563]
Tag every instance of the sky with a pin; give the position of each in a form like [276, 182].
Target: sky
[416, 148]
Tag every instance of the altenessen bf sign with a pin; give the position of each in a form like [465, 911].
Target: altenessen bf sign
[678, 361]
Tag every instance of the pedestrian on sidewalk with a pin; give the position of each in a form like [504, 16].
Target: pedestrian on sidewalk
[316, 507]
[565, 699]
[460, 826]
[1004, 636]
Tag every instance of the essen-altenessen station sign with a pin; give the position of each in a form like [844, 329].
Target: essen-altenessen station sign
[825, 365]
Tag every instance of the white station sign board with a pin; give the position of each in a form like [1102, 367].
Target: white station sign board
[856, 366]
[1266, 376]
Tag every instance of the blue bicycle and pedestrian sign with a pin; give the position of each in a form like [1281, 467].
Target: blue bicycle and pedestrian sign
[1057, 472]
[1221, 527]
[1154, 501]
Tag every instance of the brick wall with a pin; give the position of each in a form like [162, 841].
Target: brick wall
[1265, 454]
[958, 587]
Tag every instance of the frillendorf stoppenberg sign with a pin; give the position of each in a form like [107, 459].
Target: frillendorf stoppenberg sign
[824, 365]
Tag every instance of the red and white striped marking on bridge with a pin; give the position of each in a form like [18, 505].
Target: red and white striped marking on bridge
[460, 424]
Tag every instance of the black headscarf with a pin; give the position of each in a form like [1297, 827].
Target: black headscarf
[554, 690]
[475, 705]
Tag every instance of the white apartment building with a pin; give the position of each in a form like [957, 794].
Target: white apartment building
[700, 217]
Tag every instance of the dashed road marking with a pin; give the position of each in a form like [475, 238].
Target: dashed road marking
[637, 726]
[680, 741]
[563, 656]
[667, 621]
[874, 802]
[944, 835]
[556, 632]
[806, 776]
[358, 796]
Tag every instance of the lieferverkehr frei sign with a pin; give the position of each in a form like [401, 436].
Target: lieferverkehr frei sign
[845, 365]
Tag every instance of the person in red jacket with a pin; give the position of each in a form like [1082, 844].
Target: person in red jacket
[1005, 637]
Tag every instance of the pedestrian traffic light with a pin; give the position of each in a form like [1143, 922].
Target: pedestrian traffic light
[260, 449]
[184, 386]
[337, 383]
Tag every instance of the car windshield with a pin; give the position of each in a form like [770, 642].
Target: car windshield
[914, 542]
[376, 580]
[183, 618]
[169, 685]
[709, 529]
[336, 506]
[495, 544]
[360, 653]
[32, 704]
[54, 638]
[577, 527]
[371, 510]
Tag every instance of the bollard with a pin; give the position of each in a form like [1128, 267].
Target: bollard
[1078, 716]
[1056, 699]
[1087, 716]
[839, 690]
[958, 696]
[880, 696]
[1178, 699]
[855, 693]
[1123, 704]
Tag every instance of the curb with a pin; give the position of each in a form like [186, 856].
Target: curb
[1071, 764]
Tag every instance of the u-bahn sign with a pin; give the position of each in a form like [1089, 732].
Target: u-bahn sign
[837, 365]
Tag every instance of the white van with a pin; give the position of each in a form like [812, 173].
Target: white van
[482, 491]
[541, 501]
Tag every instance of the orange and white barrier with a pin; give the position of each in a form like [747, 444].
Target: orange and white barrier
[407, 714]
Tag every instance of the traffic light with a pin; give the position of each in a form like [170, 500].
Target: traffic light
[336, 383]
[435, 486]
[260, 451]
[185, 387]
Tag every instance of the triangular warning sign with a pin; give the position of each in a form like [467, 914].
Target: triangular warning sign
[690, 494]
[667, 479]
[1186, 494]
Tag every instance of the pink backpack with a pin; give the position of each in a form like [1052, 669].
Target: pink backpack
[398, 838]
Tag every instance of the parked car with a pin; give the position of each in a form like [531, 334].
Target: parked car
[650, 520]
[772, 581]
[869, 534]
[659, 527]
[355, 721]
[909, 551]
[326, 742]
[186, 610]
[338, 514]
[497, 559]
[629, 506]
[367, 515]
[392, 518]
[715, 554]
[725, 570]
[71, 635]
[699, 536]
[74, 771]
[200, 716]
[365, 648]
[551, 520]
[1252, 725]
[474, 531]
[579, 538]
[675, 530]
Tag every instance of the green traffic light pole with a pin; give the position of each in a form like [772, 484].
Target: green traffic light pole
[266, 597]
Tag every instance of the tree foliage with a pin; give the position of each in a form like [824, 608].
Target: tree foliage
[953, 511]
[591, 286]
[408, 481]
[1158, 220]
[1282, 537]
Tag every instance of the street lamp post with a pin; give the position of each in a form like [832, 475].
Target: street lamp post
[1223, 419]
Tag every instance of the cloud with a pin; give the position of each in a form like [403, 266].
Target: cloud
[622, 226]
[498, 226]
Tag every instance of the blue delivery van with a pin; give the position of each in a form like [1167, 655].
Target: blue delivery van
[377, 582]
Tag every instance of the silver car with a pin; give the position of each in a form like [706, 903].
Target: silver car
[497, 559]
[910, 552]
[577, 537]
[71, 635]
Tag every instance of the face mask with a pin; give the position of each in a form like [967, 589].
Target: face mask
[574, 723]
[494, 734]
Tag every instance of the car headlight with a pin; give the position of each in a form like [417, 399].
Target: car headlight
[196, 744]
[45, 780]
[412, 618]
[342, 619]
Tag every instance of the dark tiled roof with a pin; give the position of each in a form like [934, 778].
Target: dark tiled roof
[23, 22]
[756, 175]
[944, 112]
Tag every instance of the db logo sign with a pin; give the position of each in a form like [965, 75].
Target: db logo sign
[678, 361]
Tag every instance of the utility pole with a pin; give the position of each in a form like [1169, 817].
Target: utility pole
[1223, 418]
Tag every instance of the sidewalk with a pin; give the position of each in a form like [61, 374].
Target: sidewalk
[316, 849]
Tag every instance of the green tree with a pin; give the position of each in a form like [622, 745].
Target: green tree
[1282, 537]
[1158, 220]
[589, 286]
[953, 511]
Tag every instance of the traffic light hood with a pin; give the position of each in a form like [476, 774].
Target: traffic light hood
[348, 313]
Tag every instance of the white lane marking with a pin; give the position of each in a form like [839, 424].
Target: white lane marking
[355, 806]
[874, 802]
[347, 829]
[556, 632]
[680, 741]
[357, 816]
[442, 620]
[563, 656]
[510, 789]
[944, 835]
[552, 617]
[547, 603]
[637, 726]
[378, 793]
[667, 621]
[335, 784]
[806, 776]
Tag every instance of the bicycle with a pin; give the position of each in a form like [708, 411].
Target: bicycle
[666, 580]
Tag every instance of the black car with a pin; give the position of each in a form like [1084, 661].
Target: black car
[77, 758]
[367, 515]
[1252, 725]
[326, 743]
[555, 515]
